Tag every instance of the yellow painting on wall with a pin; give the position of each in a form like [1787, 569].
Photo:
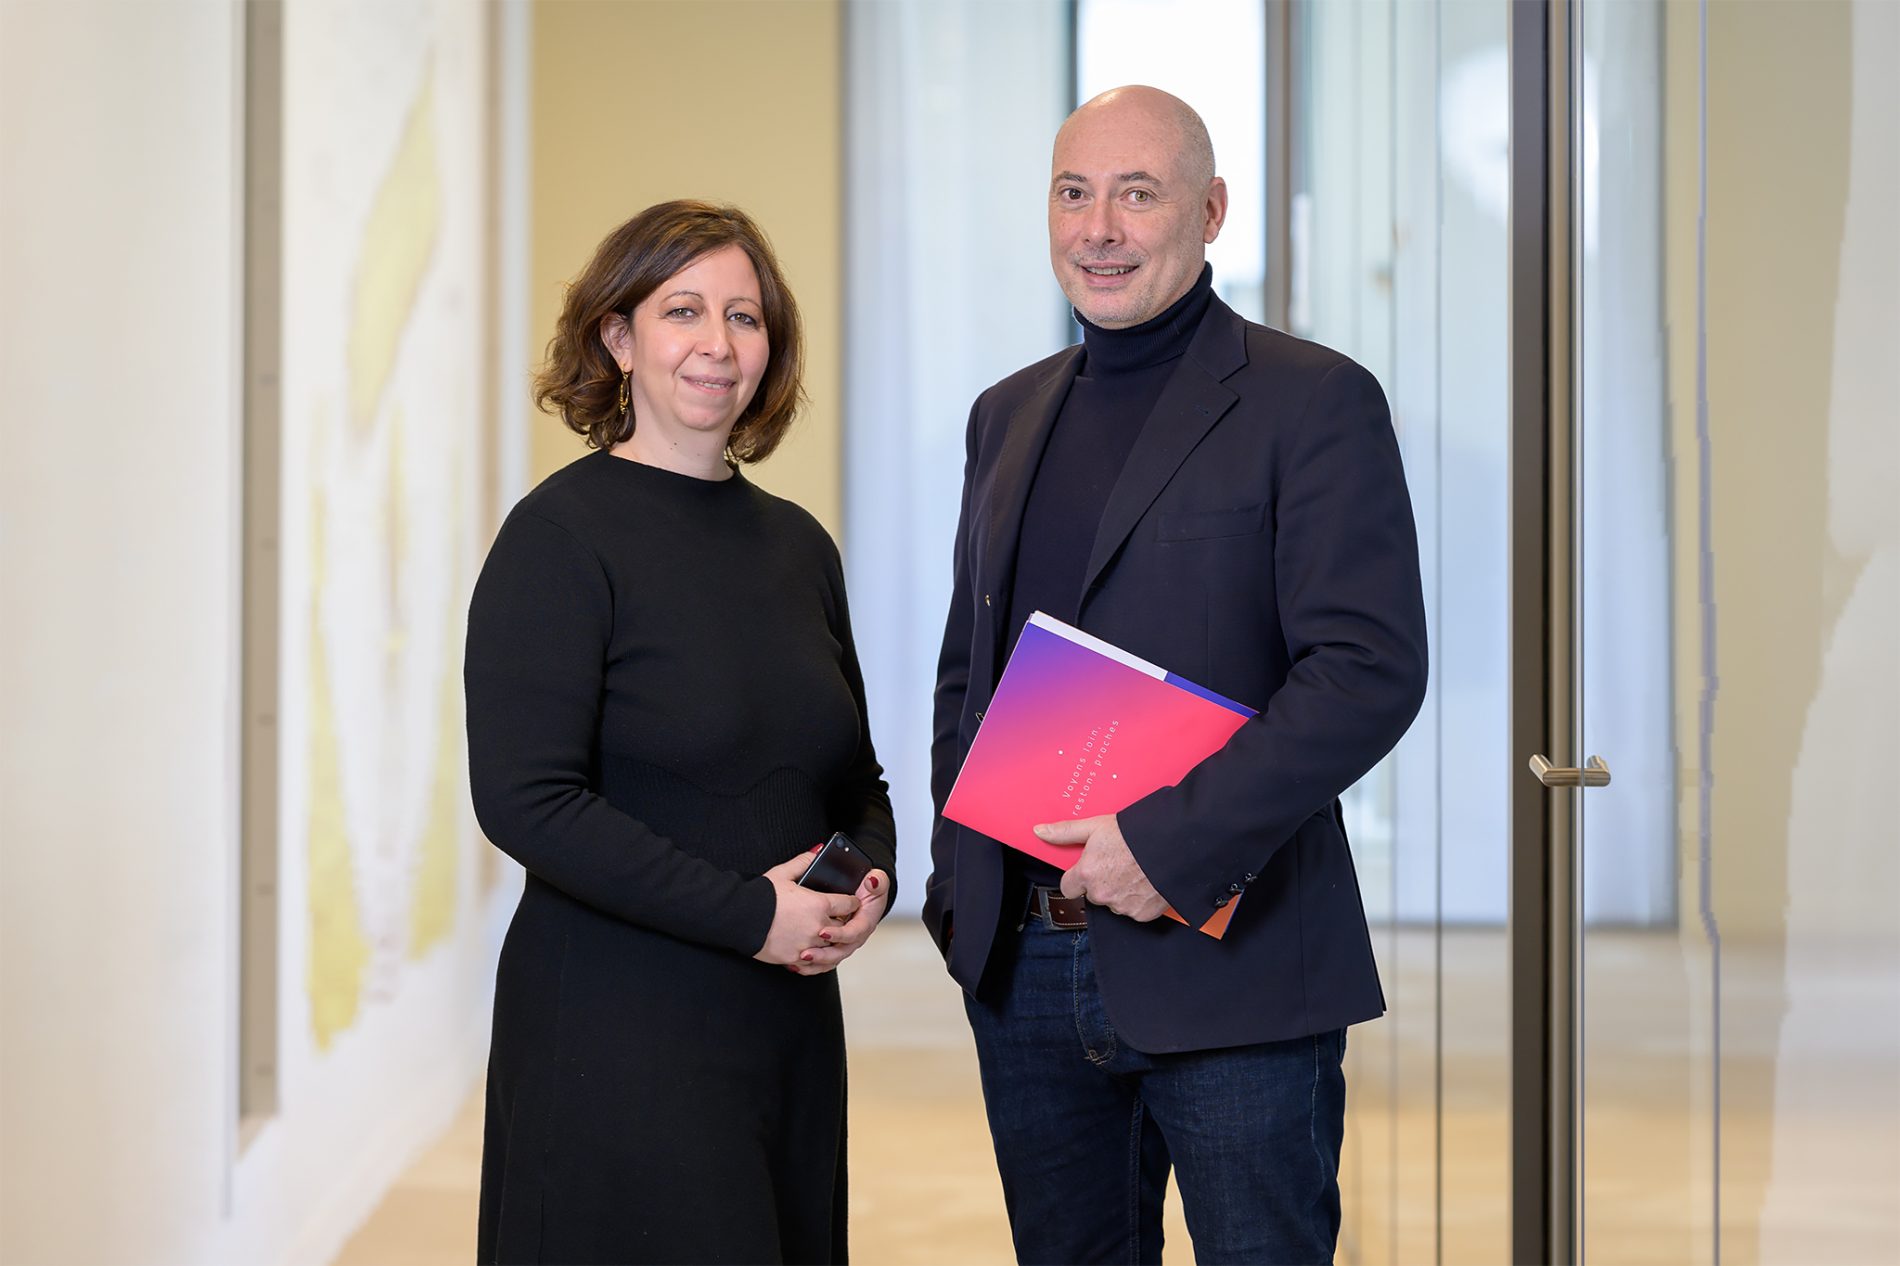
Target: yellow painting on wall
[383, 280]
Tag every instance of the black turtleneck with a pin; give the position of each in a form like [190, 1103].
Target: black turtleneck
[1121, 376]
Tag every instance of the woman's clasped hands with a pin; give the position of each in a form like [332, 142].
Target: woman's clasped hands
[812, 932]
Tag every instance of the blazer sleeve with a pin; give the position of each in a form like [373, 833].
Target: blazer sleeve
[539, 625]
[953, 683]
[860, 802]
[1352, 617]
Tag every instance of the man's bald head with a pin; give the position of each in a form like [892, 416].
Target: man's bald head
[1141, 105]
[1133, 202]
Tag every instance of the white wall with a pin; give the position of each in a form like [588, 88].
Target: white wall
[118, 518]
[120, 210]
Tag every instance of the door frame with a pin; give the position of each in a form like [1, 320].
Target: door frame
[1542, 914]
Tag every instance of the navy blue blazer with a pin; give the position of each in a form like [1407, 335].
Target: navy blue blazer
[1260, 542]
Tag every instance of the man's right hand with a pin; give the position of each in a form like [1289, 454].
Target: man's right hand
[801, 914]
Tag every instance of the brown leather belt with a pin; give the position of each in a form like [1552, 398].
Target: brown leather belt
[1067, 913]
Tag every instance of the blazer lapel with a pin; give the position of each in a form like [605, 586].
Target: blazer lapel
[1024, 438]
[1192, 402]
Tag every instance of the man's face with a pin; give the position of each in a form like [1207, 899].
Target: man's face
[1128, 226]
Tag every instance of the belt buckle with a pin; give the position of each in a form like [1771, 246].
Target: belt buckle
[1045, 897]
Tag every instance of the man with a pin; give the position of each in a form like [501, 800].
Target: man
[1225, 501]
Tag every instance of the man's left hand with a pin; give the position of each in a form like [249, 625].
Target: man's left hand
[1107, 874]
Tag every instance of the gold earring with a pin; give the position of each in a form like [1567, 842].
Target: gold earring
[625, 377]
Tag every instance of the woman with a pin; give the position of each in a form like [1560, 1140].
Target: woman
[665, 713]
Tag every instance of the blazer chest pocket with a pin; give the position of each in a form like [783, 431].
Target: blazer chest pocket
[1203, 525]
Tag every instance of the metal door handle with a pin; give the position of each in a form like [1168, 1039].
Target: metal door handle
[1593, 774]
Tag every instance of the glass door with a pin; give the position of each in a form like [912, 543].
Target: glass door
[1648, 950]
[1732, 179]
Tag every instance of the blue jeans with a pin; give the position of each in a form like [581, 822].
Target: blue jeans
[1086, 1127]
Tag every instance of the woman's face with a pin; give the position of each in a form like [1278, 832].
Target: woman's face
[695, 349]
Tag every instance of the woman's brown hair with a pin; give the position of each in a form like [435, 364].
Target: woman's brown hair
[580, 379]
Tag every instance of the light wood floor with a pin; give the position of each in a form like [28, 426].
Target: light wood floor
[1425, 1171]
[923, 1183]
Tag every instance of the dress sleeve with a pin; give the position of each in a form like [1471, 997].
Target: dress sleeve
[539, 625]
[860, 802]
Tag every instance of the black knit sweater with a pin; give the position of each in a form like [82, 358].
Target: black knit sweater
[664, 699]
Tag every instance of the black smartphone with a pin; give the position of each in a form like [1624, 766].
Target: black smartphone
[839, 866]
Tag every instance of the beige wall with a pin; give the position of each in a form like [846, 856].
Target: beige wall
[1777, 161]
[740, 101]
[1777, 126]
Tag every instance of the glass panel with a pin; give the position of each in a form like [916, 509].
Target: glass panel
[1646, 965]
[1740, 606]
[1399, 226]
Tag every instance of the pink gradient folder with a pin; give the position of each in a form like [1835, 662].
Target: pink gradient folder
[1079, 727]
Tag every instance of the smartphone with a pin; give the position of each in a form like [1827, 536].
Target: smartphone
[839, 866]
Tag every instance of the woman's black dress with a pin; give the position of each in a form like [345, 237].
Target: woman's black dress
[663, 702]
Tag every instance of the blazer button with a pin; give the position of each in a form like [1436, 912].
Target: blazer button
[1234, 889]
[986, 600]
[979, 716]
[1221, 901]
[1247, 879]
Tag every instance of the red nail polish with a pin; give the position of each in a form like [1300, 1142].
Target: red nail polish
[805, 957]
[873, 882]
[825, 935]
